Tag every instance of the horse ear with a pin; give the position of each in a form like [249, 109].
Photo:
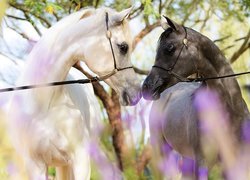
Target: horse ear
[169, 23]
[119, 17]
[86, 14]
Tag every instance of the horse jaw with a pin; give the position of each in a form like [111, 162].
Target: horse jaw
[126, 86]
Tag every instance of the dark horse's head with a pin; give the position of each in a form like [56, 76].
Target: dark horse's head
[175, 57]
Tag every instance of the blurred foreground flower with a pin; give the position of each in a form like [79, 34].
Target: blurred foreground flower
[107, 170]
[217, 139]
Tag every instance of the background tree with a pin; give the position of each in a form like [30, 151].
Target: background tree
[226, 22]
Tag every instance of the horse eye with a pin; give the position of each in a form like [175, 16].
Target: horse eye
[170, 48]
[123, 47]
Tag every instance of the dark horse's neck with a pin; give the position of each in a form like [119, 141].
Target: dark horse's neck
[228, 89]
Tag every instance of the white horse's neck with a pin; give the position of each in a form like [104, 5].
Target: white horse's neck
[56, 52]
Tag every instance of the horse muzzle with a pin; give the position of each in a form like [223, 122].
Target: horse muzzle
[131, 99]
[151, 89]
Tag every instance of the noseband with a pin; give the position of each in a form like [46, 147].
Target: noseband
[170, 70]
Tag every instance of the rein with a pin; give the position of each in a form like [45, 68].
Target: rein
[198, 79]
[202, 79]
[79, 81]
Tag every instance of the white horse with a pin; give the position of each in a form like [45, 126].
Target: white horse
[49, 126]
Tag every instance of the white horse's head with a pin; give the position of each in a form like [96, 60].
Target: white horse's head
[95, 50]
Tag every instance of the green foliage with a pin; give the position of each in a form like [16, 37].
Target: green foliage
[129, 167]
[3, 7]
[34, 6]
[245, 6]
[120, 4]
[230, 10]
[216, 173]
[106, 143]
[149, 11]
[52, 171]
[95, 173]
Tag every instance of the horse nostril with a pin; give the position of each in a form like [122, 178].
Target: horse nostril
[126, 98]
[132, 99]
[144, 86]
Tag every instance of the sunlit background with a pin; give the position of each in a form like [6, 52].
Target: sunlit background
[227, 23]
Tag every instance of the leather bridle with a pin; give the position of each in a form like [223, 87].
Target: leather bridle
[198, 78]
[116, 68]
[109, 35]
[170, 70]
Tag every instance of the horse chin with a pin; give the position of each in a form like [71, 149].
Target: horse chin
[155, 94]
[127, 100]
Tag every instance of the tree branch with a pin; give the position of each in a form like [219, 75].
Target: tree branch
[221, 39]
[167, 3]
[245, 45]
[27, 11]
[113, 108]
[206, 19]
[239, 39]
[144, 159]
[228, 47]
[97, 3]
[20, 33]
[191, 10]
[32, 23]
[160, 7]
[15, 17]
[136, 12]
[144, 32]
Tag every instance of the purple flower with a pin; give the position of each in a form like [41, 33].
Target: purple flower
[206, 99]
[11, 169]
[246, 131]
[169, 165]
[105, 167]
[187, 166]
[203, 173]
[166, 148]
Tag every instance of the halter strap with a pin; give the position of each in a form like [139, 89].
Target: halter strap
[109, 35]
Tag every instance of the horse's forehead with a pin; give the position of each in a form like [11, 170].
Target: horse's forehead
[122, 32]
[172, 36]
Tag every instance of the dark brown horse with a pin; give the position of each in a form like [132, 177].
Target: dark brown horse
[182, 52]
